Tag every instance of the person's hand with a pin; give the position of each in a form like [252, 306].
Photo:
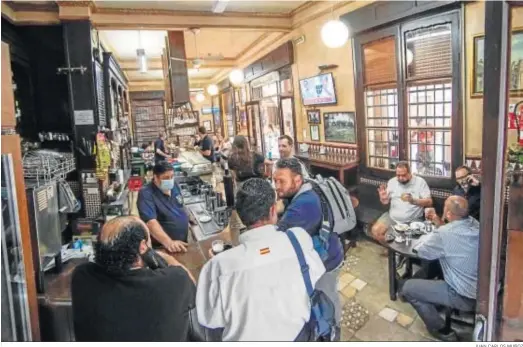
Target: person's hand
[430, 214]
[407, 197]
[473, 181]
[175, 246]
[382, 191]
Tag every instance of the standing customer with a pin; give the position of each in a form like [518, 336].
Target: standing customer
[206, 144]
[286, 149]
[244, 163]
[255, 291]
[159, 149]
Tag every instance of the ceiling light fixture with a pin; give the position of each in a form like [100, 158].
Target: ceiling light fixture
[219, 6]
[140, 54]
[200, 97]
[334, 33]
[212, 89]
[236, 77]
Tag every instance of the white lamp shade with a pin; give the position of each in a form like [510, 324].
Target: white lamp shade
[410, 57]
[142, 60]
[334, 34]
[212, 89]
[200, 97]
[236, 77]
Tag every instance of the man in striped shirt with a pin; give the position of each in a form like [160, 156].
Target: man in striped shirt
[455, 244]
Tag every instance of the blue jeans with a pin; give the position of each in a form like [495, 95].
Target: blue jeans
[424, 295]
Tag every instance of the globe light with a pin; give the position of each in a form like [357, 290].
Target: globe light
[236, 77]
[410, 56]
[200, 97]
[334, 34]
[212, 89]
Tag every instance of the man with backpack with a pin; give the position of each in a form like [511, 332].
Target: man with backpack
[263, 289]
[315, 206]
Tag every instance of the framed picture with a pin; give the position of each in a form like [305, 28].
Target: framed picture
[314, 116]
[315, 132]
[340, 127]
[207, 125]
[516, 64]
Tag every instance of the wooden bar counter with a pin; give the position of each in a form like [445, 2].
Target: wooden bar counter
[55, 305]
[340, 164]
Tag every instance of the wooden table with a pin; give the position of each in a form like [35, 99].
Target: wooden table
[329, 162]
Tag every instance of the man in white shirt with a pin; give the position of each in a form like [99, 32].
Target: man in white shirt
[255, 291]
[286, 149]
[407, 195]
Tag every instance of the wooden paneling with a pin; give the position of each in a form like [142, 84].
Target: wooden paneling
[8, 100]
[178, 68]
[280, 57]
[166, 78]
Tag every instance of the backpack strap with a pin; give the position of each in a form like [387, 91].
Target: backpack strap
[301, 259]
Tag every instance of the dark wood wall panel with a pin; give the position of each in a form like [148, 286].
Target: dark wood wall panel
[178, 68]
[280, 57]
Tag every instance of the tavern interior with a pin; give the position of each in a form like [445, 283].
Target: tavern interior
[72, 70]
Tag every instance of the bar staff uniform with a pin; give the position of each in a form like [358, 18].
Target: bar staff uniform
[168, 210]
[255, 291]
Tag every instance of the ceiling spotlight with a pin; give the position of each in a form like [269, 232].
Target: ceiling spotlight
[236, 77]
[334, 33]
[200, 97]
[212, 89]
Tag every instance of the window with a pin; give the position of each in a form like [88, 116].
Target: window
[408, 87]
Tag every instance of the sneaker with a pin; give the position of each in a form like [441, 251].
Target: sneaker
[450, 337]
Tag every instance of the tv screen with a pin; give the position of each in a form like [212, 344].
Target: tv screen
[318, 90]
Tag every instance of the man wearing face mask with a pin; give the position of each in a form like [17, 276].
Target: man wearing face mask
[468, 187]
[455, 244]
[160, 204]
[120, 297]
[407, 195]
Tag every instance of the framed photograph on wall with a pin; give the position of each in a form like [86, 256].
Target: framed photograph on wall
[314, 116]
[208, 126]
[516, 64]
[315, 132]
[340, 127]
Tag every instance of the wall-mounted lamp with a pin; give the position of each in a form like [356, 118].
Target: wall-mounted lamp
[212, 89]
[236, 77]
[410, 57]
[334, 33]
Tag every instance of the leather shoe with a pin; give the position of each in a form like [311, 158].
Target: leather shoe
[450, 337]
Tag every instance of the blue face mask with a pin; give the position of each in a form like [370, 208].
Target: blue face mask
[167, 185]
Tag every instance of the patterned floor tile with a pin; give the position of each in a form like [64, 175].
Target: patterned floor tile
[404, 320]
[358, 284]
[388, 314]
[354, 315]
[378, 329]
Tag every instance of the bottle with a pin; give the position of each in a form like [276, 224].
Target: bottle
[270, 155]
[228, 185]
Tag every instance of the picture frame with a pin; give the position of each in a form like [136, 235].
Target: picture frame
[315, 132]
[340, 127]
[516, 64]
[208, 126]
[314, 116]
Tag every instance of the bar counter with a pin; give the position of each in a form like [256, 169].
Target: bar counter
[55, 306]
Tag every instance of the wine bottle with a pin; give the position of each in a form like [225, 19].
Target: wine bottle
[228, 185]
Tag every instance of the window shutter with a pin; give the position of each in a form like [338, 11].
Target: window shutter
[379, 62]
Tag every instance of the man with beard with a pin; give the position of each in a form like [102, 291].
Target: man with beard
[407, 195]
[303, 209]
[468, 187]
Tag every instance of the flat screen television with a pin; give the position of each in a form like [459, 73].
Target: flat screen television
[318, 90]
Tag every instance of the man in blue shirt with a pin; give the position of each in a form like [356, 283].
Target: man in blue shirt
[206, 144]
[159, 149]
[303, 209]
[456, 246]
[160, 204]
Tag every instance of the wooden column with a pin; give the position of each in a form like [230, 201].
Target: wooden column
[178, 67]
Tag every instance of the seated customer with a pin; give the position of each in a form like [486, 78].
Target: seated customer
[160, 205]
[468, 187]
[407, 195]
[118, 298]
[255, 291]
[456, 245]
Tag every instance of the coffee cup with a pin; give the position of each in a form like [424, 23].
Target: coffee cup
[218, 246]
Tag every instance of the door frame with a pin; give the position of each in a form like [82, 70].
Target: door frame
[282, 123]
[252, 126]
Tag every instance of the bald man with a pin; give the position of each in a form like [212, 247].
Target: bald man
[119, 298]
[455, 244]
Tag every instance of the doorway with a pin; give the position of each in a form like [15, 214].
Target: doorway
[255, 134]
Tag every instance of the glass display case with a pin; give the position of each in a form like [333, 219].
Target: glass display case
[16, 325]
